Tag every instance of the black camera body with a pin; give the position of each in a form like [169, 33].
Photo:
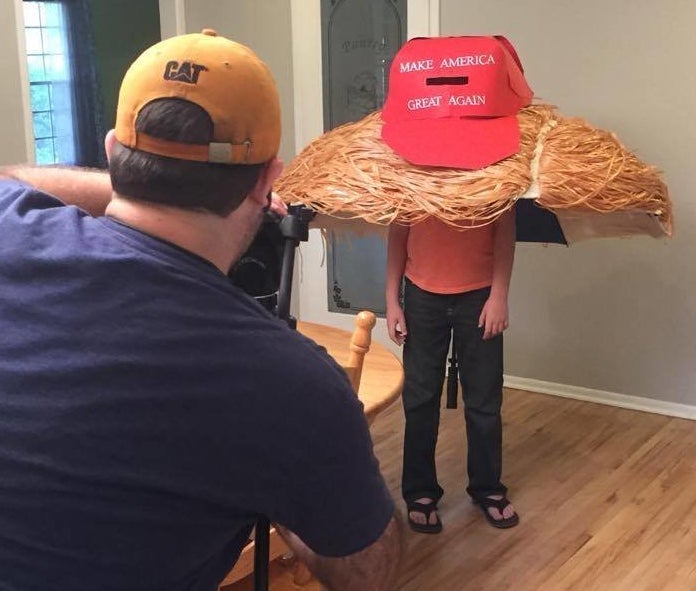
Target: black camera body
[258, 270]
[261, 269]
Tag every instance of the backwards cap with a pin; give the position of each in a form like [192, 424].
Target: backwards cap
[225, 78]
[453, 101]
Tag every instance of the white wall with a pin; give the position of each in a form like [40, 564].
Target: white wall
[172, 17]
[265, 27]
[611, 315]
[14, 147]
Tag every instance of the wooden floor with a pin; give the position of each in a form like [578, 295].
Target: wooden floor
[606, 496]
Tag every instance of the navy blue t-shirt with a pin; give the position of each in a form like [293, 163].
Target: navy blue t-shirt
[150, 411]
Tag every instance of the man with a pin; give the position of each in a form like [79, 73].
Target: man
[149, 410]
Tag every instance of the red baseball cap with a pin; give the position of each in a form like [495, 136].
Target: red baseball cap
[453, 101]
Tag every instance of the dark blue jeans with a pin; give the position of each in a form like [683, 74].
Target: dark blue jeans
[430, 319]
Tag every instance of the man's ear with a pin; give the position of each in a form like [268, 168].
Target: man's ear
[109, 142]
[267, 177]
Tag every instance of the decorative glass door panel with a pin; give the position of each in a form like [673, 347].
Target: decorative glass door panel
[359, 41]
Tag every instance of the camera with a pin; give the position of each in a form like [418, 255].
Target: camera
[257, 272]
[260, 270]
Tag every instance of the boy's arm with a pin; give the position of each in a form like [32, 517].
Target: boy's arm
[494, 316]
[88, 189]
[371, 569]
[396, 263]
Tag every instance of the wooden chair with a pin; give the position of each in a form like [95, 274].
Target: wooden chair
[359, 345]
[360, 342]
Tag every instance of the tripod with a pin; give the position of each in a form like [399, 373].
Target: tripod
[294, 228]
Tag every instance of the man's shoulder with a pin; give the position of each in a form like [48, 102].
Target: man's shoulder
[23, 197]
[302, 375]
[307, 357]
[11, 189]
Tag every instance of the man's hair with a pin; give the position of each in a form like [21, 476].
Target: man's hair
[198, 186]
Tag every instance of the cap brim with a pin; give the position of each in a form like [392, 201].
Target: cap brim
[468, 143]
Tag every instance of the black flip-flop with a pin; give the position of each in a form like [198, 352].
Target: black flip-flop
[486, 502]
[426, 509]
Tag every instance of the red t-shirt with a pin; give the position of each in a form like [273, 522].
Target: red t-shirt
[444, 259]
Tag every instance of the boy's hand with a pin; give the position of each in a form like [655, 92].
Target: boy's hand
[494, 317]
[396, 324]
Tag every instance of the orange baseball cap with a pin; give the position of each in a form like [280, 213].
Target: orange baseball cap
[225, 78]
[453, 101]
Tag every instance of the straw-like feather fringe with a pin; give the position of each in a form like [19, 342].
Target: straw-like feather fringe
[349, 173]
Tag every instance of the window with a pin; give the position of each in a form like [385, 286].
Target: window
[51, 98]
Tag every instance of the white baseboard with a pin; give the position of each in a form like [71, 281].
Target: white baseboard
[672, 409]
